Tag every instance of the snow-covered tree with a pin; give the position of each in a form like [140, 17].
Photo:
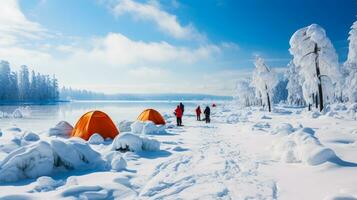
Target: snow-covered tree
[314, 53]
[24, 83]
[18, 87]
[245, 94]
[264, 80]
[295, 95]
[350, 65]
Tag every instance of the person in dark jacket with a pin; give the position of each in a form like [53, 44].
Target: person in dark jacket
[182, 107]
[198, 113]
[207, 113]
[178, 113]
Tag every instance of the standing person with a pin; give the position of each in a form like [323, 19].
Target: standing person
[178, 113]
[182, 109]
[198, 113]
[207, 113]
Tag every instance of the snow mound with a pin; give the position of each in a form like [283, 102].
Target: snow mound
[265, 117]
[41, 158]
[302, 146]
[96, 139]
[14, 129]
[21, 112]
[261, 126]
[283, 129]
[148, 127]
[62, 129]
[27, 162]
[132, 142]
[124, 126]
[315, 114]
[75, 154]
[45, 184]
[30, 136]
[232, 119]
[115, 160]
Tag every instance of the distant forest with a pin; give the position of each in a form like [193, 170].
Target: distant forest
[24, 86]
[74, 94]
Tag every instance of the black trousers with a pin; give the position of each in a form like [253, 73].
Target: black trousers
[208, 119]
[179, 121]
[198, 117]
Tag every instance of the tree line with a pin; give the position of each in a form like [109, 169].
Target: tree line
[26, 86]
[314, 75]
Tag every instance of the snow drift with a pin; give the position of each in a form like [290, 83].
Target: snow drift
[42, 158]
[147, 127]
[131, 142]
[302, 146]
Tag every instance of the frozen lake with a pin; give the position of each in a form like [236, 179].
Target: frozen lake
[42, 117]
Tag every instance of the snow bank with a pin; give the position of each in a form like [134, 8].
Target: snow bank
[302, 146]
[41, 158]
[124, 126]
[62, 129]
[96, 139]
[131, 142]
[148, 127]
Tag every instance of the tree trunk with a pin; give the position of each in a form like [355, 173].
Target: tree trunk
[318, 74]
[316, 100]
[268, 98]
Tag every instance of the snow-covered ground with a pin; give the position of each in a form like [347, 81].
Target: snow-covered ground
[243, 154]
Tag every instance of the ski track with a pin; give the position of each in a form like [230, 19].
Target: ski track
[216, 167]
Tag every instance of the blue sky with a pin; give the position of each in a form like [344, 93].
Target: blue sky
[162, 46]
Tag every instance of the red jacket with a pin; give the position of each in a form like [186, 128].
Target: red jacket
[198, 111]
[178, 112]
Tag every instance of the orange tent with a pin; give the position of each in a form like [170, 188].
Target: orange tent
[95, 122]
[151, 115]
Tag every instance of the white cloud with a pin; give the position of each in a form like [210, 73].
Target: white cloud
[14, 26]
[114, 62]
[166, 22]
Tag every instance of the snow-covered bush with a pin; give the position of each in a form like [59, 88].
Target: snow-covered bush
[74, 154]
[245, 94]
[96, 139]
[132, 142]
[302, 146]
[264, 80]
[316, 57]
[62, 129]
[147, 127]
[124, 126]
[27, 162]
[41, 158]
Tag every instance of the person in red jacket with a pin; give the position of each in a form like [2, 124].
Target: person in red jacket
[198, 113]
[178, 113]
